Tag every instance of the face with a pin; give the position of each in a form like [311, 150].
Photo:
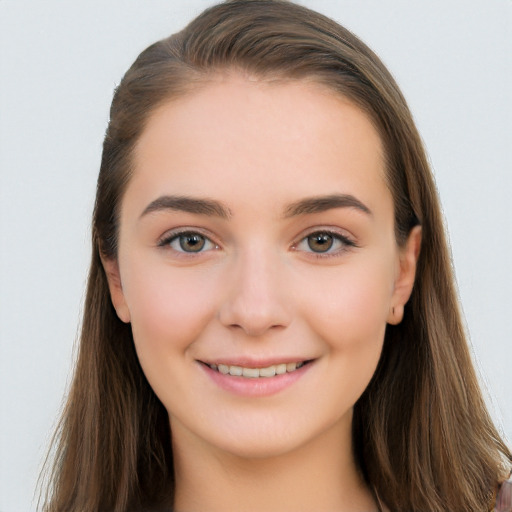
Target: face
[257, 262]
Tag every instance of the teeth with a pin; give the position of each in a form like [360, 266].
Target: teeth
[291, 366]
[267, 372]
[254, 373]
[280, 369]
[235, 370]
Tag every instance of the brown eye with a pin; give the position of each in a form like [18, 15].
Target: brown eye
[320, 242]
[192, 242]
[189, 242]
[324, 243]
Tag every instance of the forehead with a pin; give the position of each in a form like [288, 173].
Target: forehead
[241, 137]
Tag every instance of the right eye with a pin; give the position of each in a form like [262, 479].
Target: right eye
[189, 242]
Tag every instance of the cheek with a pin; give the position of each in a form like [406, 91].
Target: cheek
[348, 312]
[169, 307]
[356, 296]
[348, 309]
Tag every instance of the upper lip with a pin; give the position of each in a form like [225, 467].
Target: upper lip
[248, 362]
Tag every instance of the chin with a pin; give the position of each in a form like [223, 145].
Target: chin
[269, 436]
[261, 448]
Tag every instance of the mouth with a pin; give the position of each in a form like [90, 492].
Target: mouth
[257, 373]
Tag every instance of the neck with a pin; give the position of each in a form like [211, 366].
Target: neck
[320, 475]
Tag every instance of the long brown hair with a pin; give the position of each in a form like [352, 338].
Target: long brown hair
[421, 432]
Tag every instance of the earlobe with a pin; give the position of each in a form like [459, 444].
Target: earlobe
[396, 314]
[406, 275]
[111, 268]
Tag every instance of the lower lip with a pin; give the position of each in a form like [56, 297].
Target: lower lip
[262, 386]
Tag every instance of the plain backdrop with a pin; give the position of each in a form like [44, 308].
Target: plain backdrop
[60, 62]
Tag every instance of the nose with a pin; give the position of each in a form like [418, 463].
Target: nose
[256, 300]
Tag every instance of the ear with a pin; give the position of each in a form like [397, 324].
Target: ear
[404, 281]
[111, 267]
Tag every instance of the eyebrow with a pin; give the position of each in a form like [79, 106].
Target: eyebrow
[323, 203]
[210, 207]
[198, 206]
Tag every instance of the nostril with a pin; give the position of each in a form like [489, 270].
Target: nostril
[254, 301]
[253, 320]
[253, 329]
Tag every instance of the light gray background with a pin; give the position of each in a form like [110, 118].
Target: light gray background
[61, 60]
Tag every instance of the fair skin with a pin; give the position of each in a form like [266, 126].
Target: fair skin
[282, 252]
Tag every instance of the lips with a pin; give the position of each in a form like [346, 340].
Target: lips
[261, 378]
[255, 372]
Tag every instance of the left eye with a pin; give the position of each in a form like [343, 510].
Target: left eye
[190, 242]
[322, 242]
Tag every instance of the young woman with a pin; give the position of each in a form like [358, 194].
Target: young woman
[271, 321]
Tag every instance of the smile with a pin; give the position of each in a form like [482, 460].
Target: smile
[256, 373]
[256, 379]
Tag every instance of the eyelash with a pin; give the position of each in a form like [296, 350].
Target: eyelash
[345, 242]
[166, 241]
